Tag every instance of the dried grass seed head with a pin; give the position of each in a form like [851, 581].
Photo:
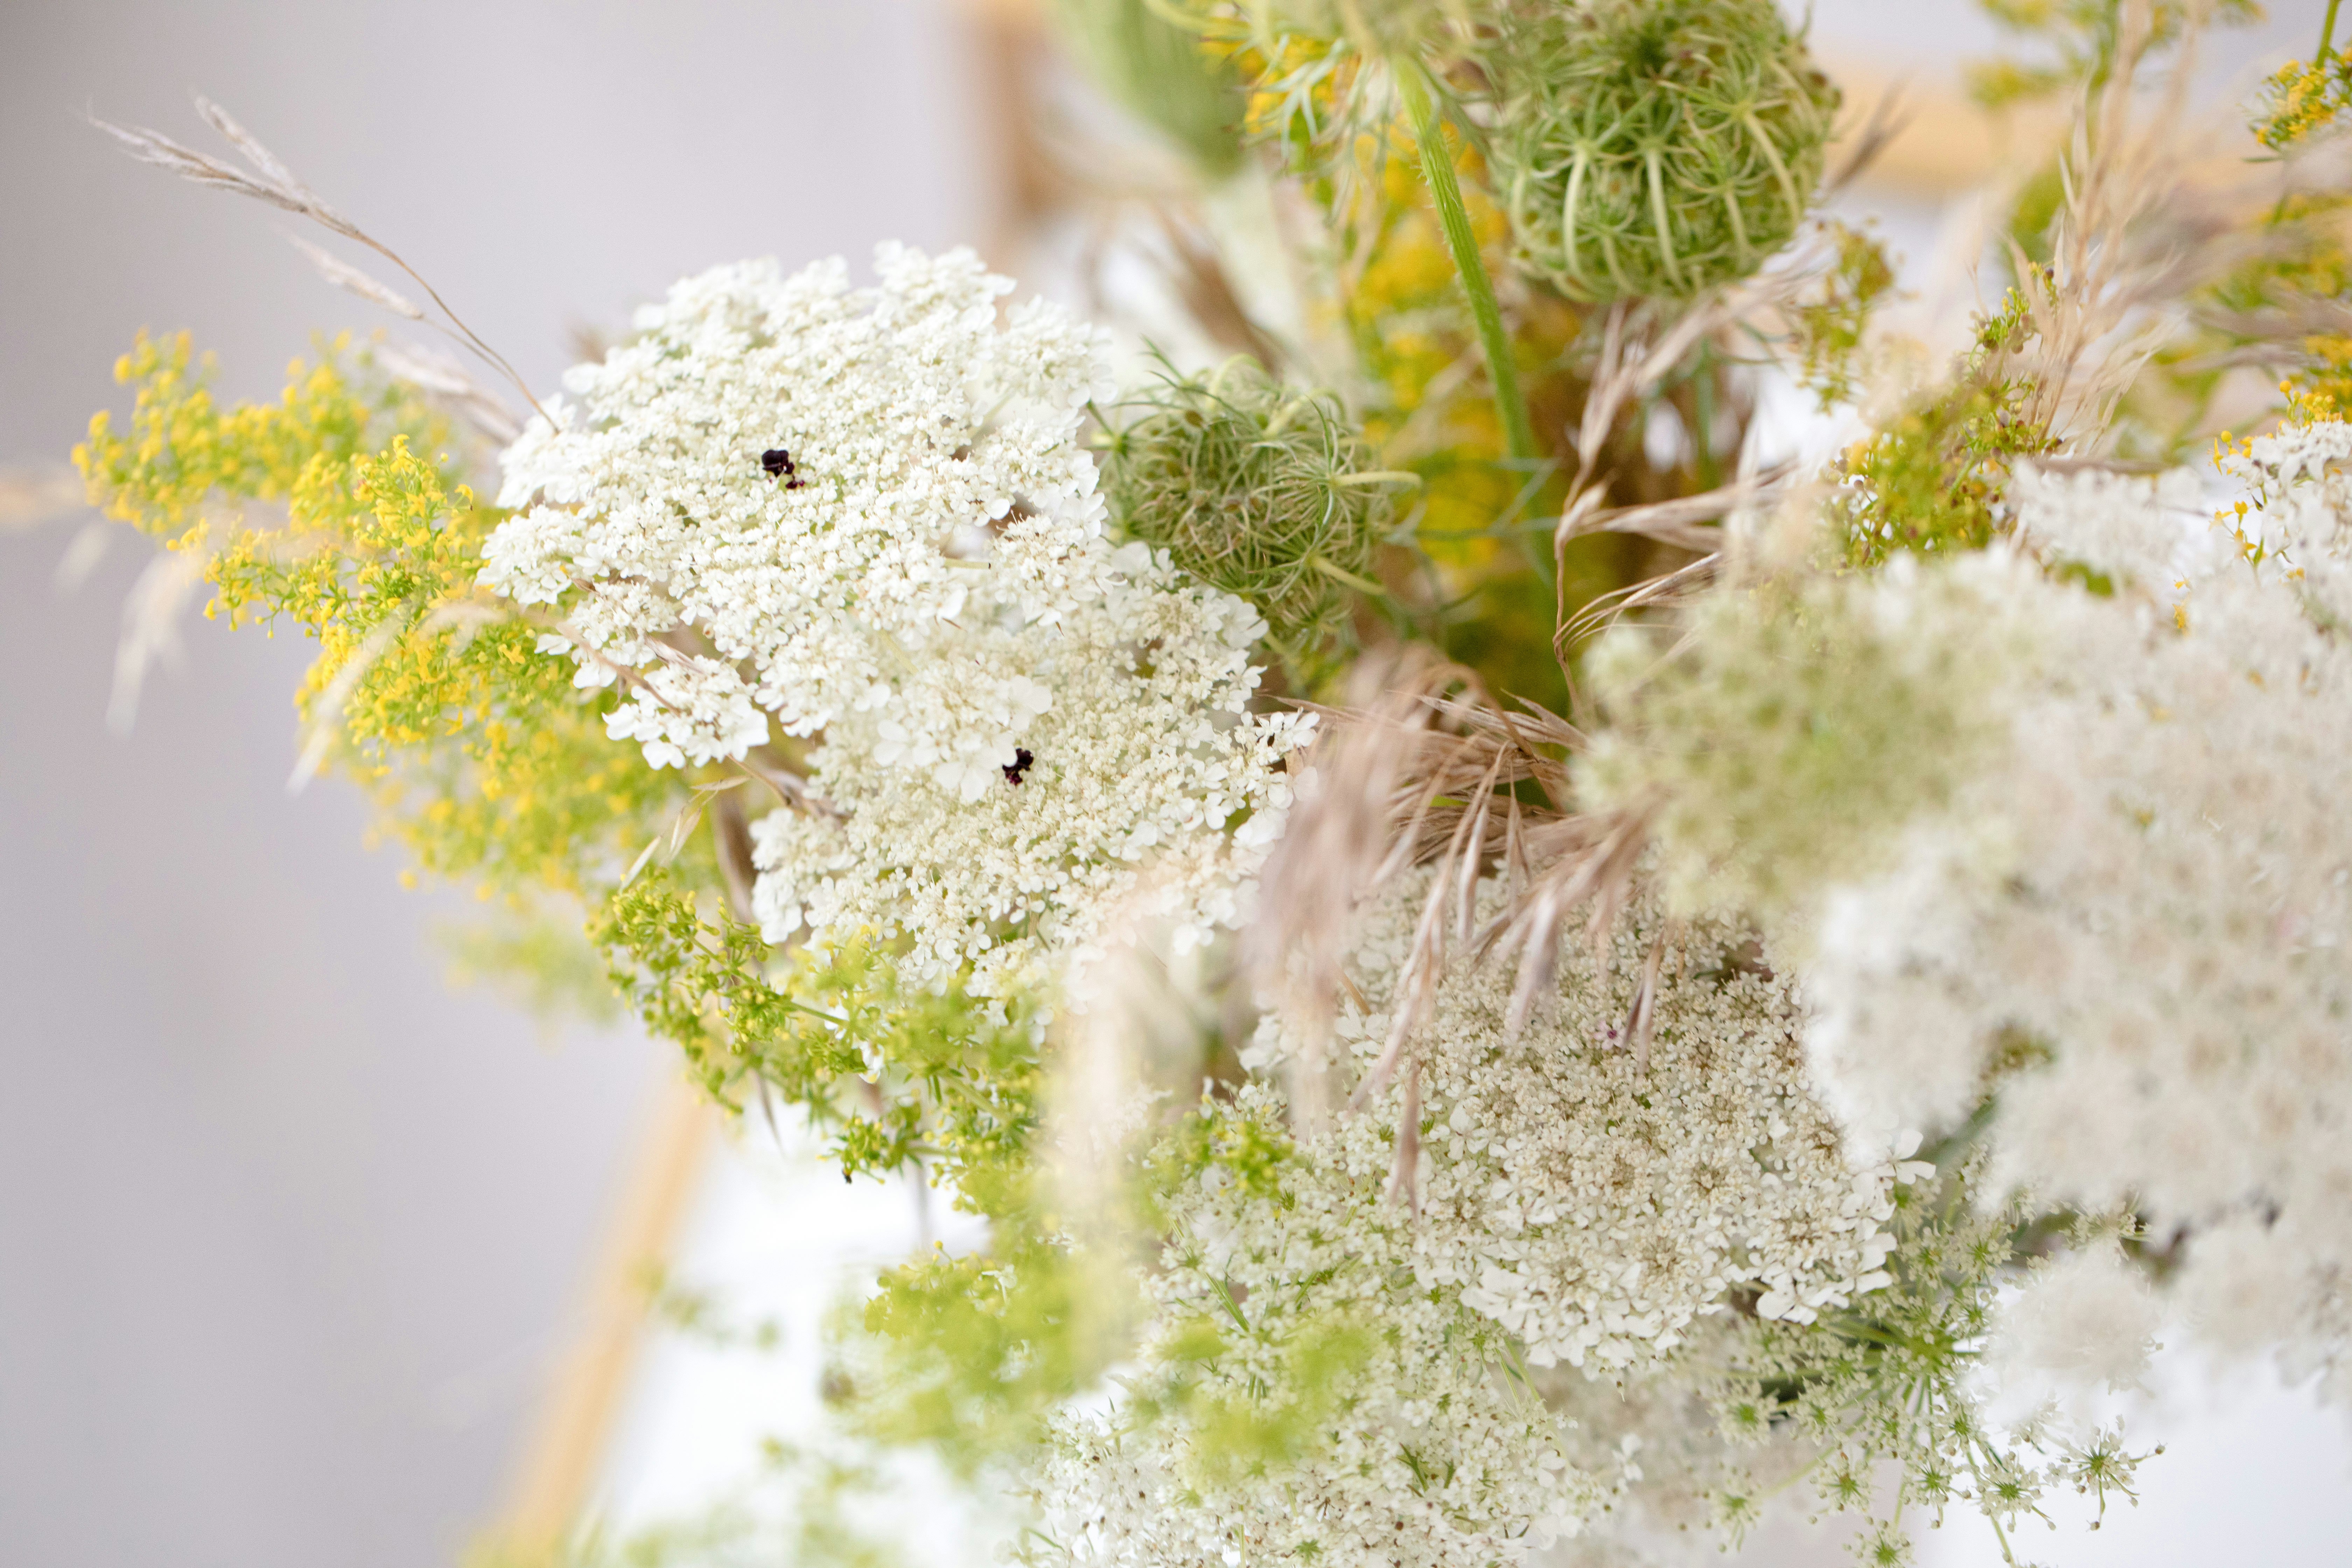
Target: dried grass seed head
[1254, 487]
[1653, 148]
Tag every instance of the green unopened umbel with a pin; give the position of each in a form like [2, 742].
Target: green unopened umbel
[1655, 147]
[1256, 489]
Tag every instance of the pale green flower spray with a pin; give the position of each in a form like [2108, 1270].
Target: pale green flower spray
[1786, 742]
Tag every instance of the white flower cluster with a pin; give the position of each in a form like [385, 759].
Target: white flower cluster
[1594, 1205]
[1311, 1402]
[2141, 913]
[1146, 752]
[2084, 1322]
[922, 456]
[864, 514]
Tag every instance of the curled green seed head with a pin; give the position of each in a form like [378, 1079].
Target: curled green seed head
[1653, 148]
[1254, 487]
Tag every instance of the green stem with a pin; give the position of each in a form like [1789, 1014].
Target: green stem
[1703, 416]
[1437, 167]
[2326, 33]
[1341, 575]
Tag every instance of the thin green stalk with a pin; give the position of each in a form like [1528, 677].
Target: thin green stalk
[1703, 418]
[1437, 167]
[1341, 575]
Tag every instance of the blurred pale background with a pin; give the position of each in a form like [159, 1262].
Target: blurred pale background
[289, 1233]
[293, 1239]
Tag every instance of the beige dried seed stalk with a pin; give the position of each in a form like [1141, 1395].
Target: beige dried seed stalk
[272, 182]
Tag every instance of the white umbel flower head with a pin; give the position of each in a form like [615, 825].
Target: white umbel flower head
[1309, 1401]
[863, 516]
[1593, 1195]
[774, 492]
[2082, 1324]
[1146, 754]
[2139, 910]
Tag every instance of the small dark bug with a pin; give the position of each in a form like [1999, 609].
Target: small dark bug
[779, 465]
[1021, 761]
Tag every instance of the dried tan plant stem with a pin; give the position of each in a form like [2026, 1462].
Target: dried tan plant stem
[272, 182]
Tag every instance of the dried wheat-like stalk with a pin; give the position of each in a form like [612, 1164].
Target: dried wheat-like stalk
[443, 376]
[1638, 350]
[267, 179]
[1423, 769]
[34, 493]
[2141, 231]
[1666, 590]
[150, 628]
[1336, 850]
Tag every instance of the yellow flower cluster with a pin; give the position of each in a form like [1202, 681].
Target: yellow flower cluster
[2303, 98]
[486, 762]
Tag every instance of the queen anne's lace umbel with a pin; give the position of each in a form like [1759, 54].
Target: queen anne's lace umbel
[863, 515]
[932, 457]
[2140, 912]
[1146, 753]
[1593, 1197]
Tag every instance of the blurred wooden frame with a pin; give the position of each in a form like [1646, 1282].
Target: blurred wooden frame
[580, 1407]
[1945, 144]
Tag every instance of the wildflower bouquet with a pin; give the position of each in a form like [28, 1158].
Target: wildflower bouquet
[1509, 966]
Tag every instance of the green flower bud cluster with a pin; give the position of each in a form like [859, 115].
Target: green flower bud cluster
[1254, 487]
[1653, 148]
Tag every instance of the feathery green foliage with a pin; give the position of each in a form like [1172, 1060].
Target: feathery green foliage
[897, 1075]
[971, 1354]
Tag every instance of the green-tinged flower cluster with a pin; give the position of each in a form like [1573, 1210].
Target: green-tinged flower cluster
[1654, 148]
[1245, 1427]
[898, 1075]
[966, 1353]
[1796, 728]
[1302, 1390]
[1928, 481]
[1891, 1384]
[1261, 490]
[973, 1355]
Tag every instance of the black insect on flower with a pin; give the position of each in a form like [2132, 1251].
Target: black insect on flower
[779, 465]
[1019, 765]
